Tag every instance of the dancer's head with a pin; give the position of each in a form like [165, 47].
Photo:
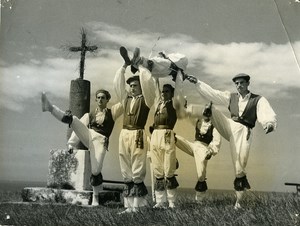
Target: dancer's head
[102, 97]
[134, 85]
[167, 92]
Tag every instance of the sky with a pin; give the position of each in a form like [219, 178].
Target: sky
[220, 39]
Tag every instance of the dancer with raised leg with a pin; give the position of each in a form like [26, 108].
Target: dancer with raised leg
[160, 66]
[93, 130]
[245, 109]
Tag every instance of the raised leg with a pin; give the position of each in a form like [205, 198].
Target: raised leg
[62, 116]
[46, 105]
[124, 54]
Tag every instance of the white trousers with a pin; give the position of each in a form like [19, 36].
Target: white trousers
[236, 134]
[132, 159]
[197, 149]
[163, 154]
[92, 140]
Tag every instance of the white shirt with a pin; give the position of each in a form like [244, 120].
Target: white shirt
[265, 113]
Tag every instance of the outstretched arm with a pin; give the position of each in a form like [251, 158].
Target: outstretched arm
[216, 96]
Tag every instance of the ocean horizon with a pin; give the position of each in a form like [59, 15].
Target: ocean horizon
[11, 185]
[18, 186]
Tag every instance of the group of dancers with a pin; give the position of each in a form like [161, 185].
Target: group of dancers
[136, 95]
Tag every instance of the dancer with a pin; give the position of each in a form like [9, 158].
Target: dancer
[93, 130]
[160, 66]
[245, 108]
[132, 141]
[162, 147]
[207, 144]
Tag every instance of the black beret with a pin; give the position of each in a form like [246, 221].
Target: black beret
[241, 75]
[133, 78]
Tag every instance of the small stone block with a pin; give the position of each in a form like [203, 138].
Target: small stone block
[69, 171]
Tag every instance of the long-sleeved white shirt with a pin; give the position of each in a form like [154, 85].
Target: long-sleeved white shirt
[116, 111]
[147, 84]
[265, 113]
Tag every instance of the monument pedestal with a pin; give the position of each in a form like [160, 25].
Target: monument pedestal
[69, 171]
[69, 181]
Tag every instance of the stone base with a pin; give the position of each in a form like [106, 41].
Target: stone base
[69, 171]
[39, 194]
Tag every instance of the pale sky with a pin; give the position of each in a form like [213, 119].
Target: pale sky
[220, 39]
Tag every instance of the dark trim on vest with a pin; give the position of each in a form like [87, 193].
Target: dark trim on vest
[249, 116]
[107, 125]
[205, 138]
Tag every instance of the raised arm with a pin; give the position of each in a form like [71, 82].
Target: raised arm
[148, 86]
[216, 96]
[179, 100]
[119, 85]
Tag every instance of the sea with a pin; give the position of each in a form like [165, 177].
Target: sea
[7, 185]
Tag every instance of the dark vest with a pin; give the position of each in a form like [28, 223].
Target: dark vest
[138, 118]
[166, 118]
[249, 116]
[106, 127]
[207, 137]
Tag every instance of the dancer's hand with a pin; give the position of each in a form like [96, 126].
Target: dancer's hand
[70, 149]
[192, 79]
[269, 128]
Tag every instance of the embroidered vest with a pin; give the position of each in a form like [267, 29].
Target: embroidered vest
[138, 117]
[106, 127]
[249, 116]
[167, 117]
[207, 137]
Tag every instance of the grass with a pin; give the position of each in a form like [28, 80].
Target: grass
[217, 209]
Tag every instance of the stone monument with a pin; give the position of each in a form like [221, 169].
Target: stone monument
[69, 174]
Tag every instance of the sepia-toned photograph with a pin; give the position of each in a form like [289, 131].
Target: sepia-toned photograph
[135, 112]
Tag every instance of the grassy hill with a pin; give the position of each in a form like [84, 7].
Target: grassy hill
[259, 208]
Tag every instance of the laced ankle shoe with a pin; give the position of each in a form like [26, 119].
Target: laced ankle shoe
[136, 59]
[172, 205]
[128, 210]
[159, 206]
[237, 206]
[95, 201]
[135, 210]
[124, 54]
[46, 105]
[199, 197]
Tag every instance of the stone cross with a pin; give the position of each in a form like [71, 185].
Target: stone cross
[83, 49]
[80, 88]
